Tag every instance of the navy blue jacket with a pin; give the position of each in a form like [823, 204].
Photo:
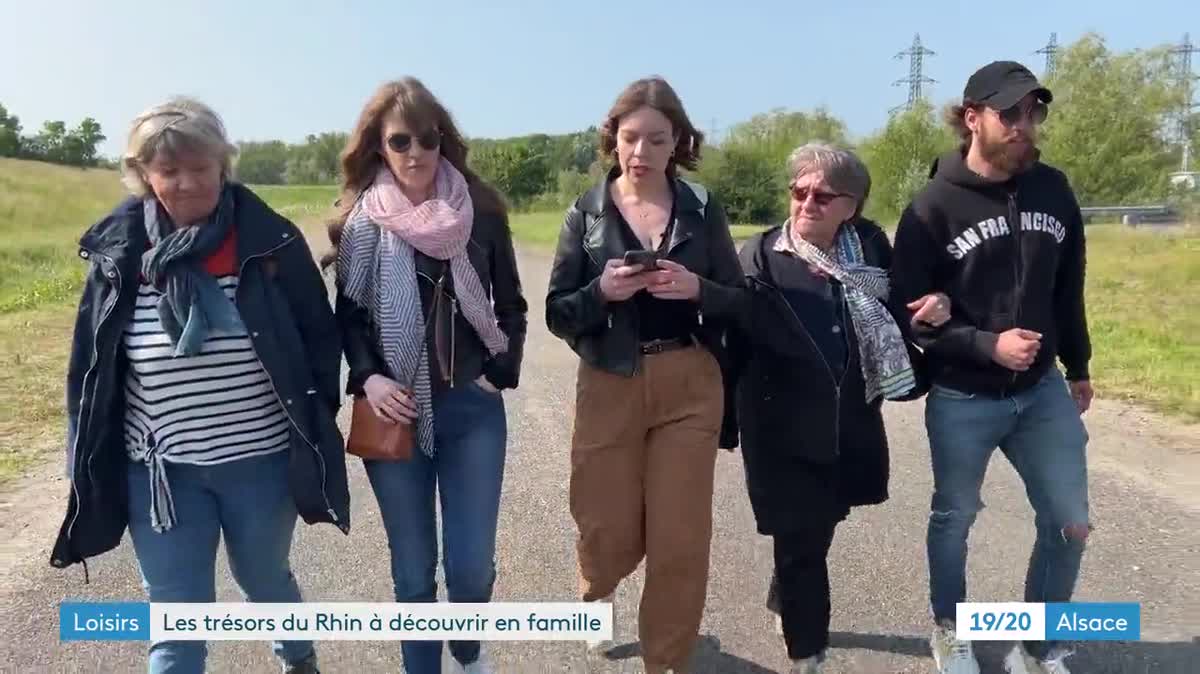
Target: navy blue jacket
[285, 305]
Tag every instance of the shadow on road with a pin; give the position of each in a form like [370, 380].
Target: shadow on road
[1116, 657]
[706, 659]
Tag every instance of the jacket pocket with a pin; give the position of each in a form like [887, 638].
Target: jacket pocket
[949, 393]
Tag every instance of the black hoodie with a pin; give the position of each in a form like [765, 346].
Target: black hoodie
[1010, 255]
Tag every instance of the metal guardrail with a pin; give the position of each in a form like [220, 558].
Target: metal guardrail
[1131, 215]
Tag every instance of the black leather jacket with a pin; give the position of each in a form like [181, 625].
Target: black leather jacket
[456, 353]
[605, 334]
[284, 303]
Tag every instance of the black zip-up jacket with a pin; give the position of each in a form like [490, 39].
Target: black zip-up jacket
[457, 356]
[284, 303]
[605, 334]
[1010, 255]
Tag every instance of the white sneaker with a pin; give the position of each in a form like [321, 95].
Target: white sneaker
[810, 665]
[952, 655]
[1020, 661]
[605, 645]
[480, 666]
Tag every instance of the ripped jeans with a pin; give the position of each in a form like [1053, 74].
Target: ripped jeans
[1041, 433]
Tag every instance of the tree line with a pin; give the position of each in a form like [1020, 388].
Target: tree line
[1111, 130]
[53, 143]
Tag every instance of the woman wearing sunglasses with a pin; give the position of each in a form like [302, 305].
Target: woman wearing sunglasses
[433, 321]
[820, 345]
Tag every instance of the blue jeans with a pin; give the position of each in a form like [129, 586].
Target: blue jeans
[1040, 432]
[467, 471]
[247, 500]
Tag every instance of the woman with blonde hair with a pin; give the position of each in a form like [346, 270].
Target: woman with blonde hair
[202, 388]
[430, 306]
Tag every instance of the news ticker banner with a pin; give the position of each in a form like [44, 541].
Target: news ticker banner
[337, 621]
[531, 621]
[1074, 621]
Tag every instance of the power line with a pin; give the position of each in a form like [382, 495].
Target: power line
[1051, 52]
[916, 72]
[1185, 79]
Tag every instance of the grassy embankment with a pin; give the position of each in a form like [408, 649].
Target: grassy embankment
[1143, 298]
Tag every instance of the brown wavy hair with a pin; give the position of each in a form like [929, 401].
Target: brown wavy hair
[363, 153]
[954, 117]
[654, 92]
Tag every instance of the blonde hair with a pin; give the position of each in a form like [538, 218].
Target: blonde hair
[177, 127]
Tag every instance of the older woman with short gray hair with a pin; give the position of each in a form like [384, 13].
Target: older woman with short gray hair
[203, 382]
[820, 345]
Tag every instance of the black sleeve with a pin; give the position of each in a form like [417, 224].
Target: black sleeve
[362, 355]
[574, 305]
[504, 370]
[722, 293]
[1075, 347]
[913, 276]
[308, 296]
[359, 342]
[82, 345]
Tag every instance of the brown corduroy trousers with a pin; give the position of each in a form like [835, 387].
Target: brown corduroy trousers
[642, 461]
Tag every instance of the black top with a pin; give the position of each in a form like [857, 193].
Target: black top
[657, 318]
[818, 303]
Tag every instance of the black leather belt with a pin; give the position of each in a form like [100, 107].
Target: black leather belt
[663, 345]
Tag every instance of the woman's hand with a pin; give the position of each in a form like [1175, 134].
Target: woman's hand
[619, 281]
[483, 383]
[932, 309]
[673, 281]
[389, 400]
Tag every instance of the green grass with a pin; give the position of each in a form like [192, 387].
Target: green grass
[43, 211]
[1143, 297]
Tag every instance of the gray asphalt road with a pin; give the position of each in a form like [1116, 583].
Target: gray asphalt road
[1145, 548]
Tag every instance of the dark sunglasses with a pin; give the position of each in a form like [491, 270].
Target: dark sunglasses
[801, 194]
[1012, 116]
[402, 142]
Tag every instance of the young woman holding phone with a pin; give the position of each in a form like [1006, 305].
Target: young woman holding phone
[650, 403]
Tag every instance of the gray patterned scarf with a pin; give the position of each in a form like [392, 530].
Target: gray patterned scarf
[192, 304]
[883, 352]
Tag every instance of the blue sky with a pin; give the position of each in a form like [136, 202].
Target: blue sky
[276, 69]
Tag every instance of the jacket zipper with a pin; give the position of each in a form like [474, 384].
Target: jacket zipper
[837, 384]
[282, 403]
[453, 319]
[83, 398]
[1015, 216]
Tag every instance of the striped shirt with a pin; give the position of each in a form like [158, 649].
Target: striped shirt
[213, 407]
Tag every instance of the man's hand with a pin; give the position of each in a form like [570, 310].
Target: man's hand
[1016, 349]
[1082, 392]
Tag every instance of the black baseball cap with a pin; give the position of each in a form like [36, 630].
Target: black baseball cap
[1002, 84]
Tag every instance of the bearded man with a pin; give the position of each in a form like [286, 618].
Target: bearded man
[1001, 234]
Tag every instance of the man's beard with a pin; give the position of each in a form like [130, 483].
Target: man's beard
[1011, 158]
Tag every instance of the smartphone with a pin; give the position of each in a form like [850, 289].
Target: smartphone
[647, 258]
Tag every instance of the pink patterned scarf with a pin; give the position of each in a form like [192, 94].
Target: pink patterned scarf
[440, 227]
